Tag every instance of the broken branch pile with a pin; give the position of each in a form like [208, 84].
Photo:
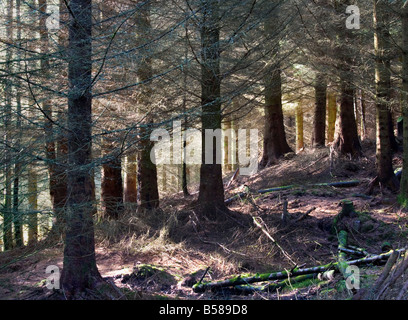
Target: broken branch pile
[290, 275]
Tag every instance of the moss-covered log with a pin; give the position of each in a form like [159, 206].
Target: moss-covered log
[279, 275]
[270, 287]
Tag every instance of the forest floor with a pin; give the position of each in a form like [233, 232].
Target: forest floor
[162, 254]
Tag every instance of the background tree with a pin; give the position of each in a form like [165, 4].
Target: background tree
[382, 40]
[275, 144]
[211, 191]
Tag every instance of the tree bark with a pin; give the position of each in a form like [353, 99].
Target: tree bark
[275, 144]
[32, 204]
[111, 184]
[319, 132]
[299, 128]
[331, 116]
[363, 116]
[7, 208]
[148, 193]
[17, 218]
[347, 141]
[403, 196]
[79, 265]
[130, 193]
[385, 172]
[211, 189]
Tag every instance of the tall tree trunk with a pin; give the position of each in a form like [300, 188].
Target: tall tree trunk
[32, 204]
[184, 184]
[17, 219]
[274, 144]
[148, 193]
[79, 265]
[363, 116]
[111, 184]
[299, 128]
[319, 132]
[7, 208]
[331, 116]
[385, 170]
[391, 132]
[211, 190]
[228, 146]
[347, 141]
[59, 200]
[130, 193]
[50, 146]
[403, 196]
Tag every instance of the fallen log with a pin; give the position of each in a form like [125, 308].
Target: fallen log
[339, 184]
[248, 289]
[263, 191]
[279, 275]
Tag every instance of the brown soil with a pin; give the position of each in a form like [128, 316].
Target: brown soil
[182, 246]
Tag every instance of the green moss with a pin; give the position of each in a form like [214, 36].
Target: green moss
[145, 271]
[403, 201]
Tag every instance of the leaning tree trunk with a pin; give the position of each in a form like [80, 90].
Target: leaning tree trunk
[319, 132]
[211, 190]
[403, 196]
[385, 172]
[79, 265]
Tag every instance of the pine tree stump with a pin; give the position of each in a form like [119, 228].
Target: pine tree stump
[347, 210]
